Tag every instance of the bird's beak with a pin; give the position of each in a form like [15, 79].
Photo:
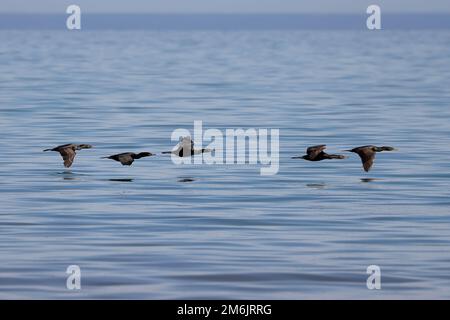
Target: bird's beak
[346, 150]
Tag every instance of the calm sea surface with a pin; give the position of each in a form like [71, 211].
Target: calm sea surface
[160, 230]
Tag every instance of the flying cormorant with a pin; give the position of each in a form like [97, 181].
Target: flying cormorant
[185, 148]
[316, 153]
[127, 158]
[68, 152]
[367, 154]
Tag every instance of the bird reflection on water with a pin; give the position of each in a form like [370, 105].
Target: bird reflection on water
[366, 180]
[316, 185]
[121, 180]
[186, 179]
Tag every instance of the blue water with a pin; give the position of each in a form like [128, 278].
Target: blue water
[158, 230]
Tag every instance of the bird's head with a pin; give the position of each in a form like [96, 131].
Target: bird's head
[143, 154]
[384, 148]
[84, 146]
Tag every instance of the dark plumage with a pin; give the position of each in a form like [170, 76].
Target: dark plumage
[127, 158]
[316, 153]
[367, 154]
[185, 148]
[68, 152]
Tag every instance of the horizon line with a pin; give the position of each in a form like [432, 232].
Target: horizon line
[225, 21]
[229, 13]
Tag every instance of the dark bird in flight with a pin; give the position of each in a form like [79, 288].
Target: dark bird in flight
[127, 158]
[185, 148]
[68, 152]
[367, 154]
[316, 153]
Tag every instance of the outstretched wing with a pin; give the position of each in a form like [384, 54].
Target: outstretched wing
[186, 142]
[314, 151]
[68, 155]
[184, 147]
[367, 157]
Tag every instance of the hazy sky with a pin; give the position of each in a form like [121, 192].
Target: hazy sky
[224, 6]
